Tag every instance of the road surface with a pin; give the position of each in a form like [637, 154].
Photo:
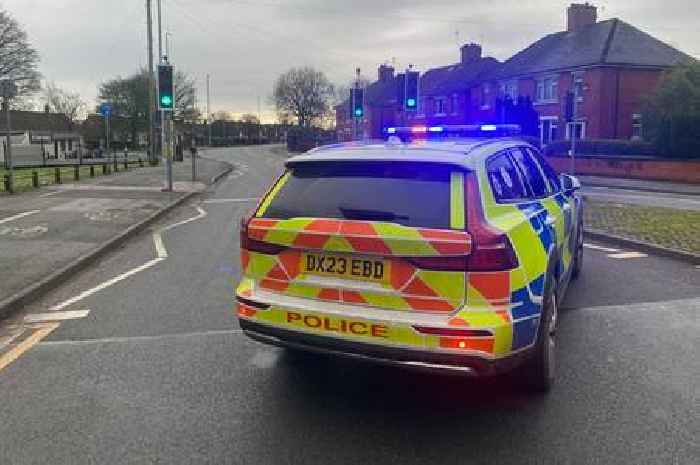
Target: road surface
[149, 366]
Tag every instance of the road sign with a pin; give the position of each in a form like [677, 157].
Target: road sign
[106, 109]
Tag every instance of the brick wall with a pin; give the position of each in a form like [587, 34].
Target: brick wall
[657, 170]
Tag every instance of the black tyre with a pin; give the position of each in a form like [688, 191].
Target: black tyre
[578, 256]
[538, 373]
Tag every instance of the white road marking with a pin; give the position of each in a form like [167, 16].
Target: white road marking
[623, 255]
[601, 248]
[250, 199]
[157, 337]
[105, 284]
[56, 316]
[162, 254]
[49, 194]
[18, 216]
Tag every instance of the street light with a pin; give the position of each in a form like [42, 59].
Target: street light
[8, 88]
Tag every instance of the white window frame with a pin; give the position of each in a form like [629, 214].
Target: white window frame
[485, 92]
[569, 125]
[548, 85]
[637, 123]
[553, 124]
[509, 88]
[454, 102]
[440, 102]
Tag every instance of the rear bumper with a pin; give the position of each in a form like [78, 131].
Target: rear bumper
[403, 357]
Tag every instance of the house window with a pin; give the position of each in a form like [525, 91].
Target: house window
[637, 132]
[580, 128]
[549, 126]
[455, 104]
[485, 91]
[578, 89]
[509, 89]
[547, 90]
[440, 106]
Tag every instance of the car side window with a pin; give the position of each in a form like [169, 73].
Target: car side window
[505, 180]
[531, 172]
[549, 173]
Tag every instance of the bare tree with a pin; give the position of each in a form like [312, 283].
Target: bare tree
[18, 60]
[63, 101]
[303, 93]
[222, 115]
[184, 90]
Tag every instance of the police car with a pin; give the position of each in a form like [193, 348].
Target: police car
[448, 253]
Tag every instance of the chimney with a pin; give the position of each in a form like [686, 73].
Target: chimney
[386, 73]
[470, 53]
[580, 15]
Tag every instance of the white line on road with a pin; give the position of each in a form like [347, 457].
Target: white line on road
[601, 248]
[624, 255]
[105, 285]
[156, 337]
[49, 194]
[18, 216]
[162, 254]
[56, 316]
[249, 199]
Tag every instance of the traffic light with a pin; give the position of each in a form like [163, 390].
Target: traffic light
[357, 108]
[411, 95]
[165, 87]
[400, 89]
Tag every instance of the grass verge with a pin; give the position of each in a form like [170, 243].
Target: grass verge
[667, 227]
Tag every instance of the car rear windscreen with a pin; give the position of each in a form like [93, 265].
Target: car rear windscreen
[411, 194]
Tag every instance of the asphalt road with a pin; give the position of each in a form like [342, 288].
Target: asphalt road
[158, 372]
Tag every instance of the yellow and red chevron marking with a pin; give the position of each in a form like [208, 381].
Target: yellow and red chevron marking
[408, 288]
[363, 237]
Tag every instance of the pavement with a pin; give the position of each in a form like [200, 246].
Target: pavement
[45, 230]
[145, 363]
[641, 185]
[644, 193]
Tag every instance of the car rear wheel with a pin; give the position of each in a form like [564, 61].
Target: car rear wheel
[538, 373]
[578, 258]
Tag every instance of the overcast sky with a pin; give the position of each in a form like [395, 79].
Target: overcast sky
[245, 44]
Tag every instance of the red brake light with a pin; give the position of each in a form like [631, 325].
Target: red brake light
[254, 245]
[491, 248]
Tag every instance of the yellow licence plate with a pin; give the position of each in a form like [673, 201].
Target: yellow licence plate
[343, 266]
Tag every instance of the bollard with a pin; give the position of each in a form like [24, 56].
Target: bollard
[8, 184]
[92, 171]
[35, 179]
[76, 173]
[140, 163]
[104, 169]
[126, 165]
[57, 175]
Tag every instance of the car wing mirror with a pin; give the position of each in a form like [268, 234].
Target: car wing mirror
[569, 183]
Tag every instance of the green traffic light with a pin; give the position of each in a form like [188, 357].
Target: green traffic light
[166, 101]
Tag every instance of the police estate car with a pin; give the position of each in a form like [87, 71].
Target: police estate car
[440, 254]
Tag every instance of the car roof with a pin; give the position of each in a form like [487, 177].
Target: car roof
[466, 153]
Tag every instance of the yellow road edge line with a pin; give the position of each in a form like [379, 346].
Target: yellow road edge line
[17, 351]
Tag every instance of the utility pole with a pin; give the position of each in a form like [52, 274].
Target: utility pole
[160, 36]
[151, 87]
[208, 112]
[357, 120]
[574, 125]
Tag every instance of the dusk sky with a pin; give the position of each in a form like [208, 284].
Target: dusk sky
[246, 44]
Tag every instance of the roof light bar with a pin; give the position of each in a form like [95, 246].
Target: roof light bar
[457, 130]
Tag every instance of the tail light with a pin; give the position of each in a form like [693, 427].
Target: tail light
[255, 245]
[491, 248]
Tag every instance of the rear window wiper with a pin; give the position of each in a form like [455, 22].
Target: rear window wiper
[370, 215]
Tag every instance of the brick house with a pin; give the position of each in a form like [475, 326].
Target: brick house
[614, 65]
[40, 135]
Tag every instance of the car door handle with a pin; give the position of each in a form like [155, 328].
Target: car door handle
[549, 220]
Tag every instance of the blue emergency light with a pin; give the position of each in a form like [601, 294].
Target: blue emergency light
[456, 130]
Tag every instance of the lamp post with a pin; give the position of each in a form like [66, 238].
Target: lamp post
[8, 89]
